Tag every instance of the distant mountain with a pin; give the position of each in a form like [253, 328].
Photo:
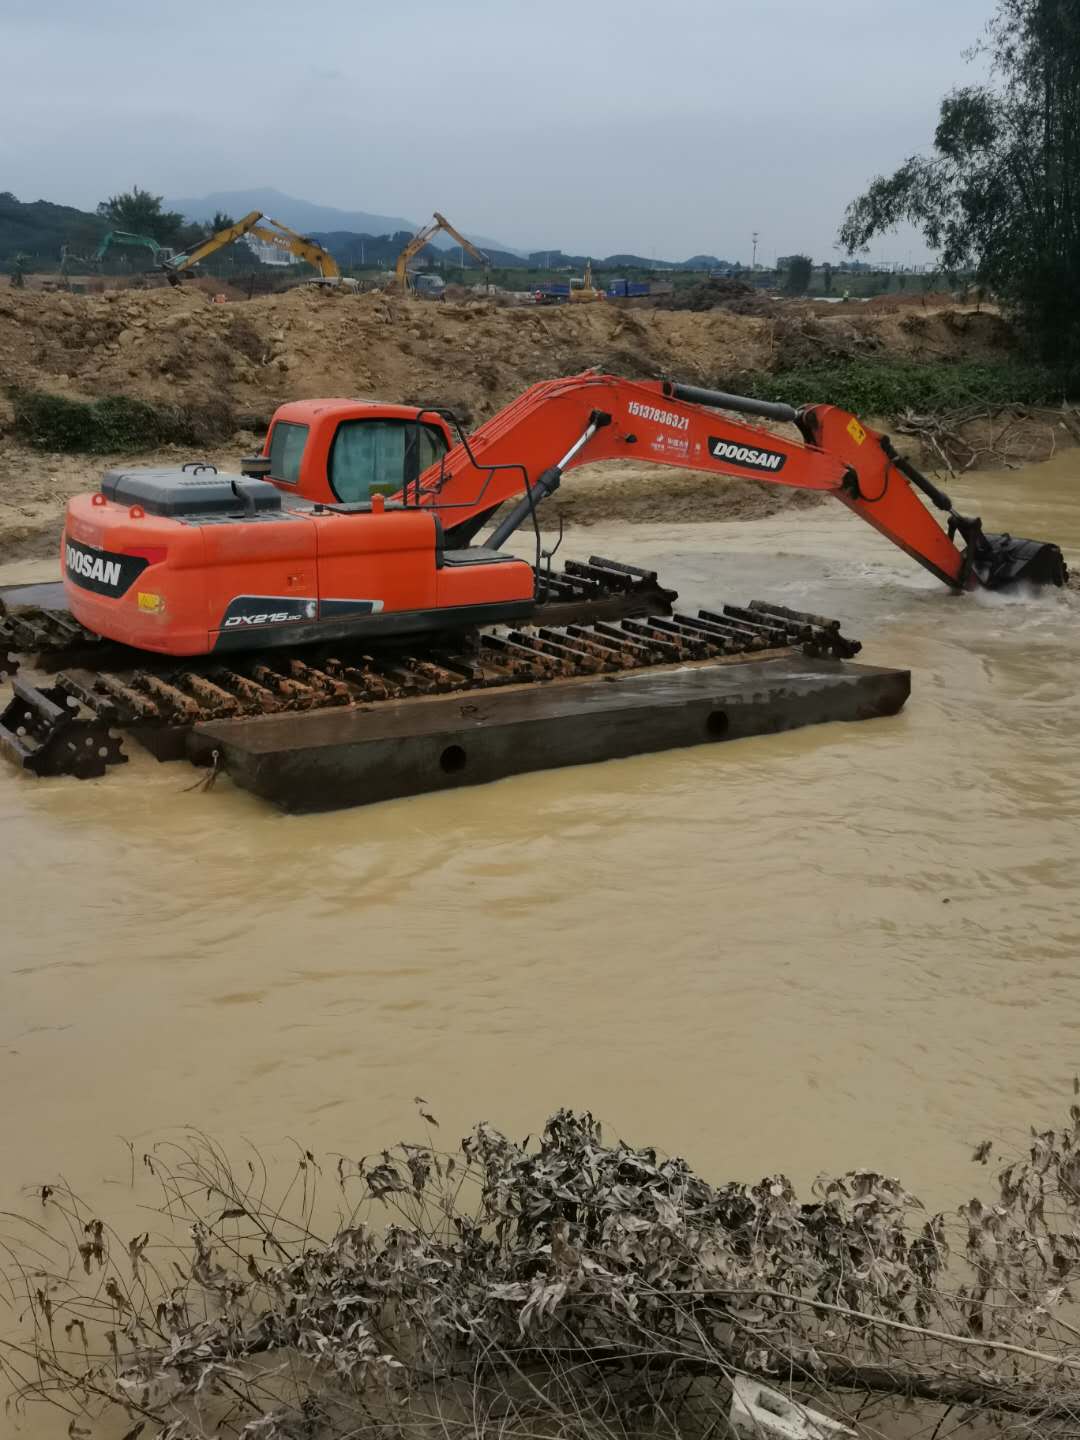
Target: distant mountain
[559, 260]
[637, 262]
[348, 248]
[709, 262]
[310, 219]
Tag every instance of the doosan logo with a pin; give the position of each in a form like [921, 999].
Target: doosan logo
[92, 567]
[746, 455]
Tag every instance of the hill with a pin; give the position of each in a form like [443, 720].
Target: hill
[348, 248]
[308, 218]
[559, 260]
[39, 228]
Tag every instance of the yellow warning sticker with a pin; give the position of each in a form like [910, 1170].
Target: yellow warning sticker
[855, 430]
[150, 601]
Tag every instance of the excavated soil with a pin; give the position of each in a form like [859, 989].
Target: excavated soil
[227, 366]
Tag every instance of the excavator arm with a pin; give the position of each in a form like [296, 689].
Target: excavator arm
[421, 238]
[123, 237]
[218, 241]
[522, 453]
[298, 245]
[301, 247]
[467, 245]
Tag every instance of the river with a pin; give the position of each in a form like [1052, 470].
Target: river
[850, 945]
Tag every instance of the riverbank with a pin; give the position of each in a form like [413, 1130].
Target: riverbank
[162, 377]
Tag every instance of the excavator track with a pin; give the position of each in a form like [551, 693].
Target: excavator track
[158, 702]
[593, 618]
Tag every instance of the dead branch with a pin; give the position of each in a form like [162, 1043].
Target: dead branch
[565, 1287]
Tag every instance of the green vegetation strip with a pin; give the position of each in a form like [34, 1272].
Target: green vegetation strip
[891, 388]
[114, 424]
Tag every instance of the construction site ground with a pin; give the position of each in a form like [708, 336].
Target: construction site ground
[223, 369]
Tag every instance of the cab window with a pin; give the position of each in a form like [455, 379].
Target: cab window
[287, 443]
[379, 457]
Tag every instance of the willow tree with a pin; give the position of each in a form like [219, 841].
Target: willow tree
[1000, 194]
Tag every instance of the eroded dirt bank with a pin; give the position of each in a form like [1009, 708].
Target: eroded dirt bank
[226, 367]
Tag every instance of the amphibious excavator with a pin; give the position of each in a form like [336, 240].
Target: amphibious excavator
[346, 554]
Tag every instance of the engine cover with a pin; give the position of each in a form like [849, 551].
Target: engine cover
[189, 491]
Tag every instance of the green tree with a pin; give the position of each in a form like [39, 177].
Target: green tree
[1000, 194]
[221, 221]
[797, 271]
[140, 213]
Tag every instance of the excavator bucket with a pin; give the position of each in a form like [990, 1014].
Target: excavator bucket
[1004, 560]
[990, 562]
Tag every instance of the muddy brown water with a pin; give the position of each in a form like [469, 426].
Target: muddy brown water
[851, 945]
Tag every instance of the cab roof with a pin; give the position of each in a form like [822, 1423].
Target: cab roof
[310, 412]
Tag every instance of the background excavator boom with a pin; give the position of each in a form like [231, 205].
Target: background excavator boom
[281, 236]
[421, 238]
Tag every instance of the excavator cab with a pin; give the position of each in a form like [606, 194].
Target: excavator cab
[343, 452]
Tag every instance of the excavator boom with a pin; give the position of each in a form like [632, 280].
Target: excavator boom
[421, 238]
[467, 245]
[523, 451]
[298, 245]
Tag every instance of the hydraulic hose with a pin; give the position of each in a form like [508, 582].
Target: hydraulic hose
[917, 478]
[743, 404]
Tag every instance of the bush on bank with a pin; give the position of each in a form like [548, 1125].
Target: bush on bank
[113, 424]
[892, 388]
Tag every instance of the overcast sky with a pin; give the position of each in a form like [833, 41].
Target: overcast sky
[666, 129]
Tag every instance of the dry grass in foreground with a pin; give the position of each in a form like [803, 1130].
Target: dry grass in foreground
[562, 1286]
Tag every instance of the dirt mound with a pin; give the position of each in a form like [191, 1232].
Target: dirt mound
[227, 366]
[178, 347]
[642, 494]
[734, 296]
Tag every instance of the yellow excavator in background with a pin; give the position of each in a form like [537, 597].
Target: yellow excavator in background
[403, 281]
[586, 292]
[282, 237]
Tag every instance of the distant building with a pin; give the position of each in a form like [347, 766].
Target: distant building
[267, 254]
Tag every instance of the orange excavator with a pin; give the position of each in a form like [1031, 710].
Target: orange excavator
[361, 519]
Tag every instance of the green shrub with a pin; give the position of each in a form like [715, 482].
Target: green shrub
[116, 423]
[890, 388]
